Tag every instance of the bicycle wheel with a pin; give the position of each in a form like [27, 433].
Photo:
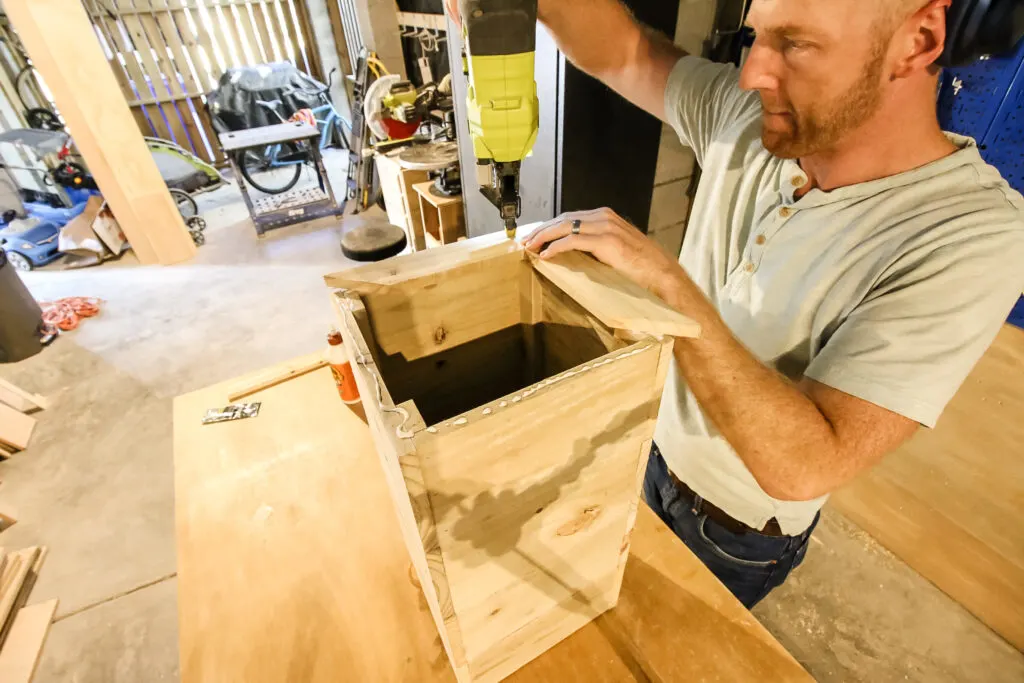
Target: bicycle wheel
[187, 206]
[267, 177]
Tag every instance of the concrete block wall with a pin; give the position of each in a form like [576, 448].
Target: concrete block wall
[670, 204]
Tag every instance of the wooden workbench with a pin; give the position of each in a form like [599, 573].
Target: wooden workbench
[291, 567]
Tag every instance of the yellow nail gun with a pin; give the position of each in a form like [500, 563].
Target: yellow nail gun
[499, 38]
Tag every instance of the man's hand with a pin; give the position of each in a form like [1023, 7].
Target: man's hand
[613, 241]
[799, 440]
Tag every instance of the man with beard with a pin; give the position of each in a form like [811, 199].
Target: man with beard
[848, 262]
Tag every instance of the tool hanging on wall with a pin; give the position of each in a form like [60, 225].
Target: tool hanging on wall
[360, 164]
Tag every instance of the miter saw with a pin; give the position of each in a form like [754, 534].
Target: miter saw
[499, 38]
[395, 108]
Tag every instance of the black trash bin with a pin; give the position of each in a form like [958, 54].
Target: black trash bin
[20, 316]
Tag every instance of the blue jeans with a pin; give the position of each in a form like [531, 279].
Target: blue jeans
[750, 564]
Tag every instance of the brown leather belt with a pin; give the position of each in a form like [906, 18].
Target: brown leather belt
[771, 528]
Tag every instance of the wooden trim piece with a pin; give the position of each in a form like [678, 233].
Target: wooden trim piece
[402, 470]
[24, 645]
[316, 69]
[614, 299]
[338, 31]
[26, 590]
[410, 266]
[247, 33]
[179, 64]
[273, 381]
[259, 19]
[660, 374]
[21, 400]
[69, 57]
[16, 571]
[15, 428]
[162, 81]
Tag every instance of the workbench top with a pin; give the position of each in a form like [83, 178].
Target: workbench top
[291, 567]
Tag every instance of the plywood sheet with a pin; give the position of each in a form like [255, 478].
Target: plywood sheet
[292, 567]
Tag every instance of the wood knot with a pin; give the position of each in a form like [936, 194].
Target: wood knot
[580, 522]
[440, 334]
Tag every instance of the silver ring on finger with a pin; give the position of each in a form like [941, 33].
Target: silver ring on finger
[576, 226]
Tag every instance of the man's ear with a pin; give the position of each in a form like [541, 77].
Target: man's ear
[921, 40]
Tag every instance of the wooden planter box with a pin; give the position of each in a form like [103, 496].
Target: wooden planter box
[512, 402]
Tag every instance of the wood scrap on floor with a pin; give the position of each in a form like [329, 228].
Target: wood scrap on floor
[20, 654]
[21, 400]
[15, 429]
[22, 629]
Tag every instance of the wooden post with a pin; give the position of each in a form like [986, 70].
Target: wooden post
[63, 46]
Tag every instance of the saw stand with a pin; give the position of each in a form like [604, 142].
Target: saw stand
[287, 208]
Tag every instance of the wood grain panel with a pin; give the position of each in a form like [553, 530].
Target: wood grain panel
[268, 593]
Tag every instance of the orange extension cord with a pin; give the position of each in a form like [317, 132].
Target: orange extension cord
[65, 314]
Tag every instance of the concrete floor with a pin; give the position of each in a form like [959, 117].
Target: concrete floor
[96, 485]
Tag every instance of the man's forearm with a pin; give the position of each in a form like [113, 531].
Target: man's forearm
[598, 36]
[777, 430]
[603, 39]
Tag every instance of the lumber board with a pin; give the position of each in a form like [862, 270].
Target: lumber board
[283, 376]
[436, 311]
[83, 85]
[17, 569]
[267, 46]
[20, 654]
[21, 400]
[26, 589]
[614, 299]
[253, 55]
[399, 269]
[948, 502]
[15, 428]
[261, 504]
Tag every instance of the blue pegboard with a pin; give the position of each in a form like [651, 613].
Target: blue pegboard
[1017, 314]
[986, 101]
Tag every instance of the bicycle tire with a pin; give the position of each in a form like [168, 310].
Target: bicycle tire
[251, 162]
[19, 85]
[187, 206]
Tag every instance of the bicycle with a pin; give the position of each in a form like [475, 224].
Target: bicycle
[261, 167]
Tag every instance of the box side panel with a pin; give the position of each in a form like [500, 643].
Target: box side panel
[570, 334]
[423, 315]
[402, 471]
[426, 315]
[613, 298]
[657, 385]
[432, 261]
[456, 380]
[532, 498]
